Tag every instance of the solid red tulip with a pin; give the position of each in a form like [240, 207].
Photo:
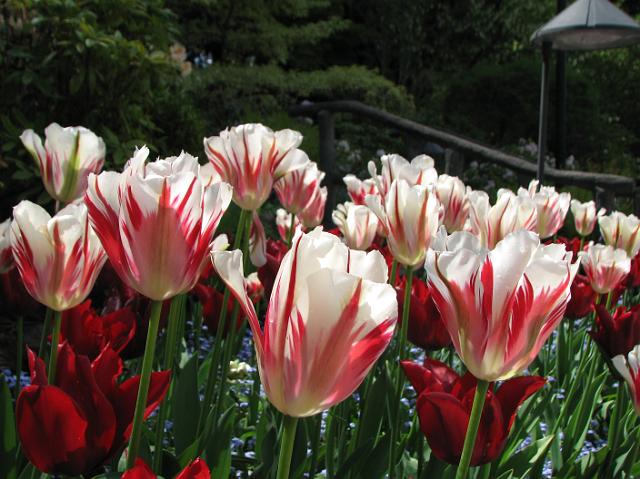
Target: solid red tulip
[197, 469]
[84, 420]
[616, 334]
[211, 300]
[267, 273]
[633, 278]
[444, 406]
[583, 297]
[88, 333]
[426, 329]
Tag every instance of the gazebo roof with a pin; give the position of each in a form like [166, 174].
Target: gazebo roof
[589, 25]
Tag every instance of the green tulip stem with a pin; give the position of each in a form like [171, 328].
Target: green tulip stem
[292, 227]
[171, 345]
[55, 339]
[402, 341]
[145, 379]
[289, 425]
[472, 429]
[394, 273]
[45, 332]
[19, 349]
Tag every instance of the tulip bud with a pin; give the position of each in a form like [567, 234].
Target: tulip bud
[58, 258]
[621, 231]
[585, 216]
[605, 267]
[68, 157]
[357, 223]
[409, 215]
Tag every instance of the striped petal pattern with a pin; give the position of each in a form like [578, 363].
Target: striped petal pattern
[67, 158]
[409, 215]
[296, 189]
[605, 267]
[58, 258]
[499, 306]
[493, 223]
[357, 223]
[453, 198]
[621, 231]
[628, 368]
[330, 317]
[585, 216]
[157, 221]
[251, 158]
[6, 255]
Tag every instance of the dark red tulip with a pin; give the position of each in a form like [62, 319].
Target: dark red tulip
[616, 334]
[570, 244]
[85, 419]
[195, 470]
[426, 329]
[211, 300]
[583, 298]
[88, 333]
[633, 278]
[275, 252]
[14, 298]
[444, 406]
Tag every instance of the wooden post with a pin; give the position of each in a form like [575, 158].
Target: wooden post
[453, 163]
[605, 199]
[327, 161]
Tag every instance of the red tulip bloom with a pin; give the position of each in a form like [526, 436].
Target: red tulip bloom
[211, 300]
[444, 406]
[633, 278]
[616, 334]
[426, 329]
[267, 273]
[583, 298]
[195, 470]
[88, 333]
[84, 420]
[570, 244]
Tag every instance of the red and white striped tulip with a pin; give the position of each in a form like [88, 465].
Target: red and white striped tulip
[6, 255]
[357, 223]
[409, 215]
[552, 207]
[257, 242]
[358, 189]
[312, 214]
[621, 231]
[251, 158]
[453, 198]
[628, 368]
[283, 223]
[493, 223]
[297, 188]
[58, 258]
[67, 158]
[418, 171]
[605, 266]
[157, 221]
[499, 305]
[330, 317]
[585, 216]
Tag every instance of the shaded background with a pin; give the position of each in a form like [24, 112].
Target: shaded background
[167, 73]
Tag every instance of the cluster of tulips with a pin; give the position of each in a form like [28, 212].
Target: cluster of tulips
[415, 257]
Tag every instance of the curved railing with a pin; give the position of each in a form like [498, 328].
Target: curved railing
[458, 151]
